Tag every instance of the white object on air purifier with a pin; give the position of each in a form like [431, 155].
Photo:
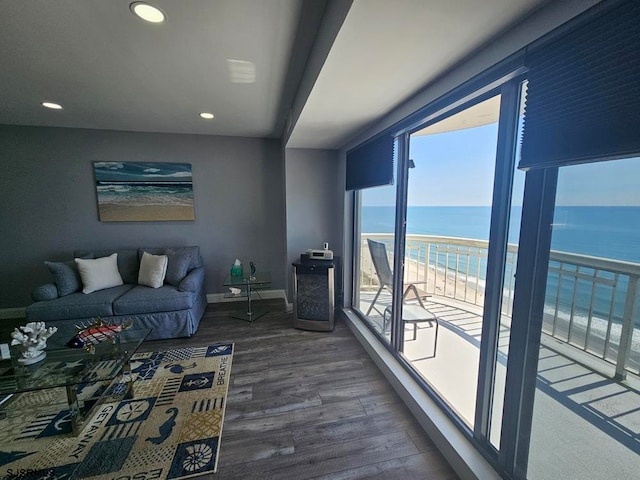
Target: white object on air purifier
[320, 254]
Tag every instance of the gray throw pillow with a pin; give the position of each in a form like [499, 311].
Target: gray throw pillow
[65, 276]
[177, 267]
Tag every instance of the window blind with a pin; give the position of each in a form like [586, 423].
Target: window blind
[583, 95]
[371, 164]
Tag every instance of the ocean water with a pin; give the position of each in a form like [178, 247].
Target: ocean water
[145, 193]
[607, 232]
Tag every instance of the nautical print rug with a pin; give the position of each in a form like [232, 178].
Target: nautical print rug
[171, 428]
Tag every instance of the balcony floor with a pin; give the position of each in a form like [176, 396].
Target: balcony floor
[586, 425]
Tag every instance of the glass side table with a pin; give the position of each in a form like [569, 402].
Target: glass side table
[248, 285]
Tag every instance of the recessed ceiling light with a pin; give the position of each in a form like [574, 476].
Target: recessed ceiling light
[53, 106]
[148, 12]
[207, 115]
[241, 71]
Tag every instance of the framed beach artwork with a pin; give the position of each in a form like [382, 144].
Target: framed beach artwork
[144, 191]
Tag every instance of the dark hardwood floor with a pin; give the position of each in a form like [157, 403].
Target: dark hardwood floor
[307, 405]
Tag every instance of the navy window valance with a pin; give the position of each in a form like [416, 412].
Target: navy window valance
[583, 95]
[371, 164]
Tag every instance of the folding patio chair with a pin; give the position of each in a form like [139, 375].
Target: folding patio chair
[411, 313]
[380, 259]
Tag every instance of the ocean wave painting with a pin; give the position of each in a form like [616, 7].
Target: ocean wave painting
[144, 191]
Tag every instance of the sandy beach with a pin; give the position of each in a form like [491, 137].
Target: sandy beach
[145, 213]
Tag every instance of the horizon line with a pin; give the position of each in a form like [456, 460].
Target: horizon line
[489, 206]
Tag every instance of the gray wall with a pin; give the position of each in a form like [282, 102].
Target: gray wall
[314, 202]
[48, 202]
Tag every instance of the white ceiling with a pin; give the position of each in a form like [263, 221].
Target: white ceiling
[483, 113]
[110, 70]
[386, 51]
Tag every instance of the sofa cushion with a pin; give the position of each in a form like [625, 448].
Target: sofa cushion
[153, 268]
[177, 267]
[193, 252]
[77, 305]
[99, 274]
[128, 262]
[141, 299]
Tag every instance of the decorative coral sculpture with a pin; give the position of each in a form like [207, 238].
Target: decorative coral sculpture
[33, 338]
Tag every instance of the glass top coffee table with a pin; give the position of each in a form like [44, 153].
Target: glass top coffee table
[249, 285]
[72, 368]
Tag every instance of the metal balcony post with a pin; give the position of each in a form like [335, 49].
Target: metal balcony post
[626, 335]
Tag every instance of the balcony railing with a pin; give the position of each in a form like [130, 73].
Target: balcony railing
[590, 302]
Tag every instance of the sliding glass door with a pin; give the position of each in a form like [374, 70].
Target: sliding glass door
[376, 219]
[448, 221]
[586, 420]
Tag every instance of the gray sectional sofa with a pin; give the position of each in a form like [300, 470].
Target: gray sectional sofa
[172, 310]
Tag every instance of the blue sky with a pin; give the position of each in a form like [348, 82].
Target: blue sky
[615, 182]
[456, 169]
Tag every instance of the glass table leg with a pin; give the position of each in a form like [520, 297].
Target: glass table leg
[250, 315]
[78, 414]
[5, 400]
[128, 376]
[74, 408]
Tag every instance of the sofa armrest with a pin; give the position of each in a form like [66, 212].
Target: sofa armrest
[45, 292]
[193, 281]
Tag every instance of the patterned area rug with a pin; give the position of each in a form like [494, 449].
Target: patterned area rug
[170, 429]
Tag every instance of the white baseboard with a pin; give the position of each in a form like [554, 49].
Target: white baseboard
[265, 294]
[17, 312]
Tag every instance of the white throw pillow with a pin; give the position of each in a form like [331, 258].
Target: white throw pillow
[153, 268]
[99, 273]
